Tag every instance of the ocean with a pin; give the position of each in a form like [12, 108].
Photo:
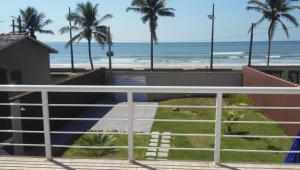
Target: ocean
[178, 55]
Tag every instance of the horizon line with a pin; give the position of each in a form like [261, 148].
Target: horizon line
[165, 42]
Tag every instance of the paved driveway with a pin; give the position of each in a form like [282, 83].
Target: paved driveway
[122, 112]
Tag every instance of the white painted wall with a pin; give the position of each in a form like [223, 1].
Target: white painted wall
[31, 59]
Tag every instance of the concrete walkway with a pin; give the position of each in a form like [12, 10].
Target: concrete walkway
[103, 125]
[122, 112]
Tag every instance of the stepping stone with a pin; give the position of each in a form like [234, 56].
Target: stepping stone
[161, 159]
[149, 158]
[154, 135]
[165, 141]
[166, 137]
[163, 154]
[165, 145]
[164, 150]
[153, 140]
[153, 144]
[151, 150]
[167, 133]
[150, 154]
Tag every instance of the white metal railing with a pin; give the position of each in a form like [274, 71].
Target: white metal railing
[131, 90]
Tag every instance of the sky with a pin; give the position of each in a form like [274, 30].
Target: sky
[191, 23]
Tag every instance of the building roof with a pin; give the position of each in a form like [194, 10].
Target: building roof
[7, 40]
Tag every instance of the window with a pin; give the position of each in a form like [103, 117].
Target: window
[16, 77]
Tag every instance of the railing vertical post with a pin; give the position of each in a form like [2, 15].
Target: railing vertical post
[218, 126]
[130, 126]
[46, 123]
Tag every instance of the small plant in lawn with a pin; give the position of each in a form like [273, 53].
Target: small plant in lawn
[193, 102]
[96, 140]
[271, 144]
[233, 115]
[237, 99]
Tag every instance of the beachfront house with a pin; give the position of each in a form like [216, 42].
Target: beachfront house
[24, 60]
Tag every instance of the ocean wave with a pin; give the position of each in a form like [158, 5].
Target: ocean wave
[229, 53]
[274, 56]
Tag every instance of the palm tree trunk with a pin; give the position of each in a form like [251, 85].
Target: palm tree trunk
[269, 51]
[71, 36]
[151, 51]
[72, 55]
[31, 32]
[269, 42]
[90, 54]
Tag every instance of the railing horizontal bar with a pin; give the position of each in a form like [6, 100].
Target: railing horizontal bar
[19, 144]
[260, 151]
[20, 104]
[20, 131]
[23, 118]
[89, 119]
[261, 122]
[187, 149]
[177, 120]
[152, 89]
[89, 132]
[90, 147]
[88, 105]
[179, 134]
[255, 136]
[175, 106]
[261, 107]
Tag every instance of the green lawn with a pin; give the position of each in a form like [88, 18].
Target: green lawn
[208, 128]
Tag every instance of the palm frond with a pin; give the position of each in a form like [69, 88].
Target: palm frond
[105, 17]
[286, 30]
[291, 18]
[166, 13]
[139, 3]
[135, 9]
[45, 23]
[45, 31]
[258, 9]
[258, 3]
[101, 36]
[145, 18]
[67, 29]
[76, 37]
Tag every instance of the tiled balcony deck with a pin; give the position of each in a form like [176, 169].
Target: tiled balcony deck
[22, 163]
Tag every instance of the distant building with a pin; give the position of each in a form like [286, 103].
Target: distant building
[24, 60]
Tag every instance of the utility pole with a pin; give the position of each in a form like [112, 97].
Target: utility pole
[20, 26]
[13, 26]
[109, 55]
[251, 45]
[71, 45]
[212, 17]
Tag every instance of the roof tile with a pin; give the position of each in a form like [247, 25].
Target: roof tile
[6, 39]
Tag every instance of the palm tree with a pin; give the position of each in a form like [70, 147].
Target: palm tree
[96, 140]
[233, 115]
[274, 11]
[85, 20]
[151, 10]
[33, 21]
[69, 29]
